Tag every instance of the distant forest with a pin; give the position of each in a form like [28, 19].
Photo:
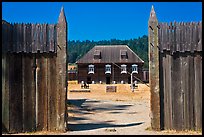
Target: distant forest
[76, 49]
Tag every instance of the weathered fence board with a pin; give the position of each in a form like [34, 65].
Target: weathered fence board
[177, 103]
[61, 63]
[154, 65]
[198, 91]
[168, 91]
[52, 94]
[29, 115]
[15, 85]
[191, 91]
[41, 93]
[185, 76]
[5, 93]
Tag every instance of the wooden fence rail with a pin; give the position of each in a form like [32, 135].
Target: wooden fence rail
[34, 76]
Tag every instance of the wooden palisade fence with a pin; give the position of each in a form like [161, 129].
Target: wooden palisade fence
[34, 83]
[179, 77]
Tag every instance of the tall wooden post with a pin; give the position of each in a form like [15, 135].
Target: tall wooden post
[61, 64]
[154, 70]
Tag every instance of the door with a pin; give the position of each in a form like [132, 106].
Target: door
[108, 80]
[88, 80]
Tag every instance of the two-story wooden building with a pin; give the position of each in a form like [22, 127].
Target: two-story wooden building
[109, 64]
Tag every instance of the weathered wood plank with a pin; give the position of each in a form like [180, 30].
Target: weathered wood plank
[4, 37]
[41, 38]
[154, 70]
[61, 63]
[162, 76]
[20, 43]
[177, 102]
[41, 93]
[34, 38]
[186, 91]
[164, 71]
[177, 37]
[167, 91]
[183, 90]
[9, 37]
[44, 29]
[191, 92]
[29, 95]
[15, 84]
[182, 37]
[14, 38]
[38, 45]
[24, 37]
[29, 38]
[198, 91]
[200, 36]
[5, 93]
[52, 93]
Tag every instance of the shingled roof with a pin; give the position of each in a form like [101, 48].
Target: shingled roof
[109, 54]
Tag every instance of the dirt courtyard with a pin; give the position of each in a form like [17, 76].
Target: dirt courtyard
[111, 113]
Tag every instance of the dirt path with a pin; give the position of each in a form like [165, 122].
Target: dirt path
[91, 116]
[121, 113]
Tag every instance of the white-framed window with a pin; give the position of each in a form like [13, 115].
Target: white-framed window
[123, 69]
[91, 69]
[108, 69]
[134, 68]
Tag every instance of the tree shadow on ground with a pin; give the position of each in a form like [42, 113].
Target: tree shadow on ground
[76, 102]
[92, 126]
[86, 106]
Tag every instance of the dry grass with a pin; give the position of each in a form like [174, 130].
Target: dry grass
[98, 91]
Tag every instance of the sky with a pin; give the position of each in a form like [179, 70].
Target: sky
[102, 20]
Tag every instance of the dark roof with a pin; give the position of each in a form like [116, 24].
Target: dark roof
[111, 53]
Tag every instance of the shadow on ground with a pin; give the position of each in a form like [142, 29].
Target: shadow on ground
[86, 106]
[76, 102]
[91, 126]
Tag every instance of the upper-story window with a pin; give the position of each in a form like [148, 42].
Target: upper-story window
[134, 68]
[97, 54]
[91, 69]
[123, 54]
[108, 69]
[123, 69]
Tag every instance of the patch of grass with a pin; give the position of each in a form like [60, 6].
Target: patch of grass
[119, 100]
[149, 128]
[111, 130]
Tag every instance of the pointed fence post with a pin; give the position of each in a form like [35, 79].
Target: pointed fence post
[61, 64]
[154, 70]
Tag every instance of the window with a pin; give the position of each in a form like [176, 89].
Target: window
[123, 54]
[108, 69]
[123, 69]
[134, 68]
[91, 69]
[97, 54]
